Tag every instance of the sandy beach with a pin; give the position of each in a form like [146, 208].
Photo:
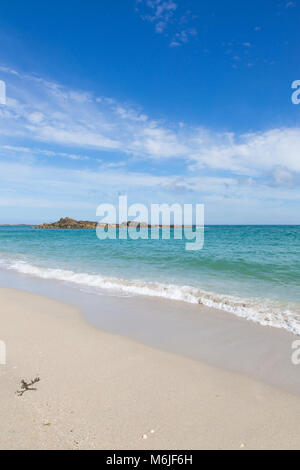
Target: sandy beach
[104, 391]
[149, 228]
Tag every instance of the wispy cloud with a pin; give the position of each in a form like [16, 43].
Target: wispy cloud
[46, 127]
[168, 18]
[10, 150]
[49, 113]
[43, 191]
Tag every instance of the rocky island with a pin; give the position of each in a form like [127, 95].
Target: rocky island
[67, 223]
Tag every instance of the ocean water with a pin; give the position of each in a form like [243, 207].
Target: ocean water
[249, 271]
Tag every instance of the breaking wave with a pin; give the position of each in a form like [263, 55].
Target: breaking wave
[265, 312]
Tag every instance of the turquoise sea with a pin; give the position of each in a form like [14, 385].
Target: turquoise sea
[249, 271]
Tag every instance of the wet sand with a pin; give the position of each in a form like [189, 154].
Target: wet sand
[197, 332]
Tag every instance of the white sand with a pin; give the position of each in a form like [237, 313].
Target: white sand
[103, 391]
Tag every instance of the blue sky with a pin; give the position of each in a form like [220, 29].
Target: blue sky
[162, 100]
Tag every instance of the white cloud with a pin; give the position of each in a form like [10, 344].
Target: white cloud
[57, 184]
[252, 153]
[11, 151]
[36, 117]
[41, 111]
[168, 18]
[36, 193]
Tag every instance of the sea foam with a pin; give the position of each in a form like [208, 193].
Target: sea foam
[262, 311]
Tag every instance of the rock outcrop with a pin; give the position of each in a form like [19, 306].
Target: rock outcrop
[67, 223]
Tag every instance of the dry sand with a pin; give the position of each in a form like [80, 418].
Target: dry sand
[103, 391]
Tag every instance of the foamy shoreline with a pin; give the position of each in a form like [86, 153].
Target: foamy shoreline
[262, 311]
[99, 390]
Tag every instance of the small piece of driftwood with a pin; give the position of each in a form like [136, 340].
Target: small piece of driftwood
[26, 386]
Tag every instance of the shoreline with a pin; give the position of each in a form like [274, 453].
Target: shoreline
[196, 332]
[99, 390]
[264, 311]
[232, 280]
